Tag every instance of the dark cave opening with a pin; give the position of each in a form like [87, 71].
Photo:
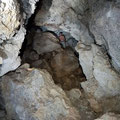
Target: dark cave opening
[30, 24]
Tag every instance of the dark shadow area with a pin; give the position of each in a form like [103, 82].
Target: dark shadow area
[30, 25]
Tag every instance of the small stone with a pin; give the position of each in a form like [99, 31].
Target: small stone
[25, 66]
[75, 94]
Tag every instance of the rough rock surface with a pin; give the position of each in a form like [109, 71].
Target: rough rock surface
[45, 42]
[64, 63]
[63, 15]
[30, 94]
[12, 32]
[110, 116]
[102, 80]
[104, 25]
[8, 9]
[80, 102]
[28, 7]
[9, 53]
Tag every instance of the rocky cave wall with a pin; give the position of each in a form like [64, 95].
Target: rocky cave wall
[95, 24]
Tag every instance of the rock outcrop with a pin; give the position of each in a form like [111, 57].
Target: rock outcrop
[104, 25]
[103, 82]
[64, 15]
[30, 94]
[12, 31]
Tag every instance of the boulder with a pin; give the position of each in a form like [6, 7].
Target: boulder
[104, 26]
[45, 42]
[12, 32]
[102, 80]
[30, 94]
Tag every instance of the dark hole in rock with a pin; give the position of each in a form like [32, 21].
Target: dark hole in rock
[29, 25]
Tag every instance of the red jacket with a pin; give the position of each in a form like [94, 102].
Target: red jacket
[62, 38]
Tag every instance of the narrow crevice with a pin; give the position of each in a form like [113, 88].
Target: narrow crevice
[30, 25]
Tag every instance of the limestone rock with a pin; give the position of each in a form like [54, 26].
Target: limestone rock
[30, 94]
[110, 116]
[28, 7]
[78, 5]
[102, 80]
[63, 15]
[12, 31]
[45, 42]
[9, 18]
[9, 53]
[104, 26]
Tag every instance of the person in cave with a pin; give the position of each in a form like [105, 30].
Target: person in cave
[62, 40]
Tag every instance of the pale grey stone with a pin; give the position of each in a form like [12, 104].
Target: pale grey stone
[12, 60]
[104, 25]
[9, 18]
[102, 80]
[31, 94]
[63, 15]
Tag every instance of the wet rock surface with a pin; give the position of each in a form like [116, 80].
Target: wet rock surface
[8, 9]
